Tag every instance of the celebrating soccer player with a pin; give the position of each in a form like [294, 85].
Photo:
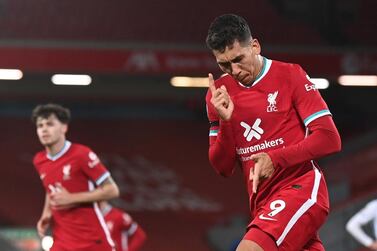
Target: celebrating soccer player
[269, 116]
[74, 179]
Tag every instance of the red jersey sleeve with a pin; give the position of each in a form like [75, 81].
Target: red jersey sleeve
[305, 97]
[93, 167]
[322, 138]
[222, 150]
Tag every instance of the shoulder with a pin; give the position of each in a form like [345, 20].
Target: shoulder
[286, 67]
[39, 157]
[127, 219]
[84, 152]
[293, 75]
[80, 149]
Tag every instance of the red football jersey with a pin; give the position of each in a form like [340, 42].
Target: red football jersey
[121, 227]
[77, 169]
[272, 113]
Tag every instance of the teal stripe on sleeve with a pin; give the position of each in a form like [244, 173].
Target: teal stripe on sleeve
[316, 115]
[213, 132]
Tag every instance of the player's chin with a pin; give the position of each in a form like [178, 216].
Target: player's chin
[46, 143]
[245, 80]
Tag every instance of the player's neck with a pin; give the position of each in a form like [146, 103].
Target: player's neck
[55, 148]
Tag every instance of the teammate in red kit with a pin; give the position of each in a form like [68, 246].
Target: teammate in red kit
[268, 115]
[74, 179]
[126, 233]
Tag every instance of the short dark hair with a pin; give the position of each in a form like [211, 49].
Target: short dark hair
[44, 111]
[226, 29]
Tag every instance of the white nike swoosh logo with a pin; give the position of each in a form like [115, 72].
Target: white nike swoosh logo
[262, 217]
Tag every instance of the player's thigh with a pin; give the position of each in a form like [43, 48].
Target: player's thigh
[304, 230]
[257, 240]
[291, 217]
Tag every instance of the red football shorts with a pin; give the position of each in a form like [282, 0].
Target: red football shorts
[292, 216]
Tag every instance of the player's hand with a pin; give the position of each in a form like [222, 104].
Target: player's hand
[220, 99]
[373, 246]
[61, 199]
[263, 169]
[42, 225]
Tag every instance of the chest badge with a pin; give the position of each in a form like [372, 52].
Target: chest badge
[67, 172]
[254, 131]
[271, 99]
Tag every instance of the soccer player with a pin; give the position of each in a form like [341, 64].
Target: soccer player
[126, 233]
[361, 218]
[268, 116]
[74, 179]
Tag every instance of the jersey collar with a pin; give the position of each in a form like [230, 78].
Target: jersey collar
[67, 145]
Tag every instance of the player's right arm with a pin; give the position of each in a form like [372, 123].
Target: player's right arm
[222, 150]
[44, 221]
[63, 199]
[354, 225]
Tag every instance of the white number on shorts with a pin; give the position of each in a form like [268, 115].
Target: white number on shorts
[276, 206]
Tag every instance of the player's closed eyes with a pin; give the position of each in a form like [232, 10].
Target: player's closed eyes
[226, 66]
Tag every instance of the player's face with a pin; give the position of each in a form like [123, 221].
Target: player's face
[50, 130]
[240, 60]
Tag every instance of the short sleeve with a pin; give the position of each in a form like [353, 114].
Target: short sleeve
[306, 98]
[93, 167]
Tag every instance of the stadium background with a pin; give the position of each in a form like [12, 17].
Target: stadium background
[153, 136]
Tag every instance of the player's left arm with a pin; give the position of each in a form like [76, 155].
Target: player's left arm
[322, 138]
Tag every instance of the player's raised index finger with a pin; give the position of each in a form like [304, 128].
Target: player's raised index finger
[211, 83]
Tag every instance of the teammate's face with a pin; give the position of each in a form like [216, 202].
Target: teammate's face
[240, 60]
[50, 130]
